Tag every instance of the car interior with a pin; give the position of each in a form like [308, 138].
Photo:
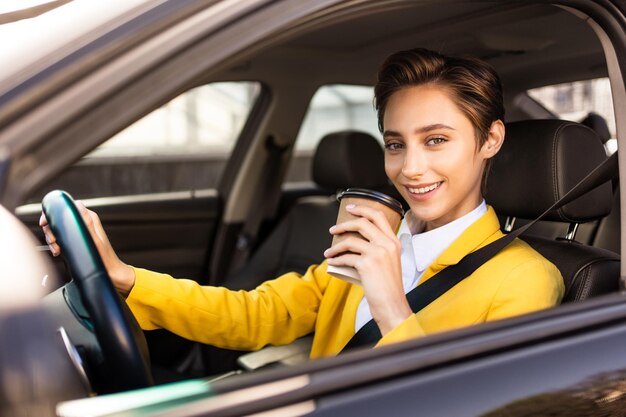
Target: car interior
[270, 205]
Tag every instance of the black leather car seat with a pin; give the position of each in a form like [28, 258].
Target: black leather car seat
[603, 233]
[539, 162]
[341, 160]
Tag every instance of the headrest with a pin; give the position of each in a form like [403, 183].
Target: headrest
[598, 124]
[349, 159]
[539, 162]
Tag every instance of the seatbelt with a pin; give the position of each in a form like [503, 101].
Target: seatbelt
[424, 294]
[247, 236]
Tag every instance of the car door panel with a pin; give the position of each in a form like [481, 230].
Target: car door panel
[166, 232]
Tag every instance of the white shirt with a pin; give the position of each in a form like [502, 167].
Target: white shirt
[419, 250]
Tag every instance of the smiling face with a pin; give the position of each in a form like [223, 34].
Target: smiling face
[431, 153]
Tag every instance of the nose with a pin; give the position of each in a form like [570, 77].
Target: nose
[415, 162]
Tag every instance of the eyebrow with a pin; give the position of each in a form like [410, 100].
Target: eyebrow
[423, 129]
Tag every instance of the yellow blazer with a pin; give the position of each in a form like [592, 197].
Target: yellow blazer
[516, 281]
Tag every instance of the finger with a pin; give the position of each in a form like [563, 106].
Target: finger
[47, 231]
[43, 221]
[98, 234]
[379, 252]
[351, 244]
[365, 227]
[86, 214]
[98, 228]
[359, 262]
[51, 240]
[347, 259]
[55, 249]
[92, 221]
[375, 216]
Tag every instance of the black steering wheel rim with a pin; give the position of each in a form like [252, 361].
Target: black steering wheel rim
[117, 333]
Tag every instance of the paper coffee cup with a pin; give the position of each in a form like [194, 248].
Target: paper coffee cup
[391, 207]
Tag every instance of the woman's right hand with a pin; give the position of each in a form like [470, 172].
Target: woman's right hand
[122, 275]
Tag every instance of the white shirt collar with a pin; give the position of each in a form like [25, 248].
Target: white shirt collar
[427, 246]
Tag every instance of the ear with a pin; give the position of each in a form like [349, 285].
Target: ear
[495, 139]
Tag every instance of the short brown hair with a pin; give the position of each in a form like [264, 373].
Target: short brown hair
[473, 83]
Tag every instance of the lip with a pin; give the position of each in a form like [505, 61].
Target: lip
[423, 196]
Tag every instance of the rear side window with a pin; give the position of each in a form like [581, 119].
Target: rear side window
[575, 100]
[333, 108]
[182, 146]
[204, 120]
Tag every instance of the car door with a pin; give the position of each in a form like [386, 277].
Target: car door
[155, 187]
[155, 184]
[162, 211]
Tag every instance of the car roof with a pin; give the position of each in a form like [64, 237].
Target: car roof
[57, 32]
[519, 39]
[529, 44]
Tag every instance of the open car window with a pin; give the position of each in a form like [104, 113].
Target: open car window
[181, 146]
[208, 118]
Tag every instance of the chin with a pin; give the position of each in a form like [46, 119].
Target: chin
[427, 216]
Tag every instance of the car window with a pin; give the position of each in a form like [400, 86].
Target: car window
[334, 108]
[575, 100]
[181, 146]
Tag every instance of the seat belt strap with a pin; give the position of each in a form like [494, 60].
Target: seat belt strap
[427, 292]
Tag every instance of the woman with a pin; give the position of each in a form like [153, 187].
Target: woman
[442, 122]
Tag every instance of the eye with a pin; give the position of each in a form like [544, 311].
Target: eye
[436, 141]
[393, 146]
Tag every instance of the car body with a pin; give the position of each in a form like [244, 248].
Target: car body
[94, 68]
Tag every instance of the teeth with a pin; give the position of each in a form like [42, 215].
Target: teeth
[423, 190]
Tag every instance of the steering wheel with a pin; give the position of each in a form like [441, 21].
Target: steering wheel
[124, 354]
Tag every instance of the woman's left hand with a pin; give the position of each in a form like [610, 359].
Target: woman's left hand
[377, 260]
